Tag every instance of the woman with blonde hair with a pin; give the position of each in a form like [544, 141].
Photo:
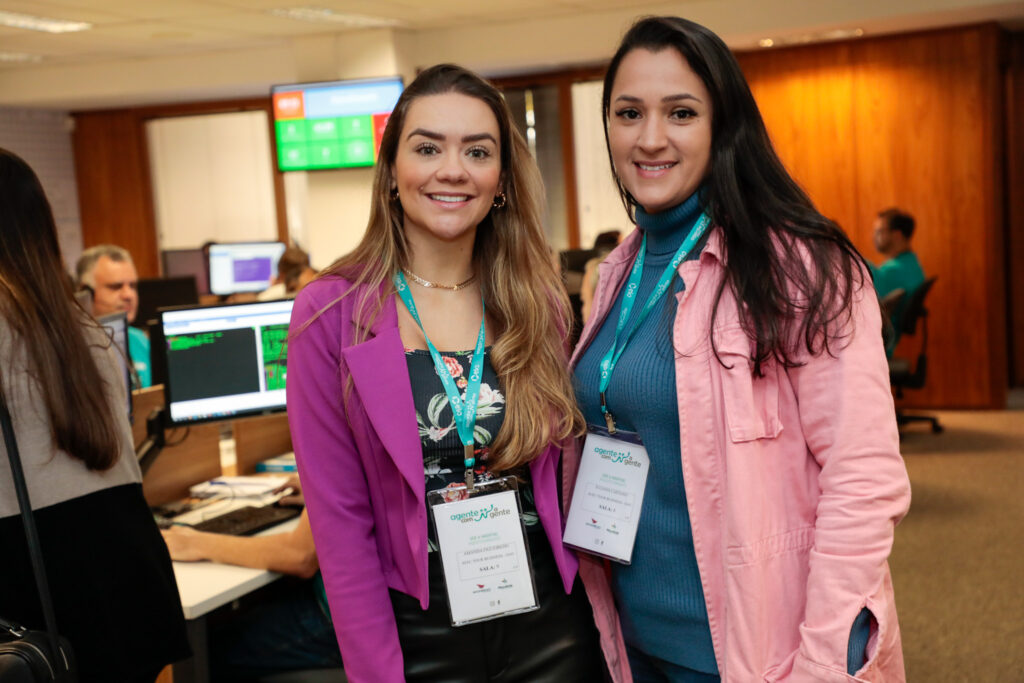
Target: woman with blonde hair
[454, 258]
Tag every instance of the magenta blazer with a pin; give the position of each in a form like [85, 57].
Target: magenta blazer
[353, 425]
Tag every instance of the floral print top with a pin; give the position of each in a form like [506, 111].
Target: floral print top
[442, 448]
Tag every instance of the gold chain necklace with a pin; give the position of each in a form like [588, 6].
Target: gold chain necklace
[437, 285]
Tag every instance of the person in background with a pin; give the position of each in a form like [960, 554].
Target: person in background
[603, 245]
[293, 273]
[109, 273]
[290, 631]
[736, 334]
[893, 231]
[455, 230]
[110, 576]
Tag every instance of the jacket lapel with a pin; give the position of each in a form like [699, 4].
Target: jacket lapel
[381, 378]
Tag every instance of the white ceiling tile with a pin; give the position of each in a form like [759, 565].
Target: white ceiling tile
[52, 11]
[145, 9]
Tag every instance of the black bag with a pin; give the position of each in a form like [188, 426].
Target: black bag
[31, 656]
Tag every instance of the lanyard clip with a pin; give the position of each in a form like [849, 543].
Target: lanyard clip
[608, 419]
[469, 460]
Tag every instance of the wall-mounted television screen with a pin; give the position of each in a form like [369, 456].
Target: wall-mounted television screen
[335, 124]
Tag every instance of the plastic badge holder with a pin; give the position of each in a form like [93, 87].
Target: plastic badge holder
[487, 574]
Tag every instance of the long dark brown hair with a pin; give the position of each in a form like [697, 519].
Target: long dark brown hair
[792, 271]
[522, 292]
[37, 302]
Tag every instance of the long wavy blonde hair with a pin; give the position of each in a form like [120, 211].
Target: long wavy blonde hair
[524, 296]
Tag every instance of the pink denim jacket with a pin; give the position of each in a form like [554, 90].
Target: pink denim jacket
[794, 484]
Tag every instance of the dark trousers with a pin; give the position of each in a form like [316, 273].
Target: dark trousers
[556, 643]
[285, 629]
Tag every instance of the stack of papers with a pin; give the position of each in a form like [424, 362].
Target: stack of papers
[260, 489]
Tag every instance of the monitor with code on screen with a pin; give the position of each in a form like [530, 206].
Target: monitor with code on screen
[225, 361]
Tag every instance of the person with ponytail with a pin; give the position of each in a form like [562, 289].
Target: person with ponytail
[110, 575]
[735, 347]
[433, 358]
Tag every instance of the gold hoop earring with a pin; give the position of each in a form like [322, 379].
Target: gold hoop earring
[499, 200]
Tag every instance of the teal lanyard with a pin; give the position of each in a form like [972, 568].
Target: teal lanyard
[464, 410]
[632, 285]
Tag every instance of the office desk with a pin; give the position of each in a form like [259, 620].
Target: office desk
[205, 586]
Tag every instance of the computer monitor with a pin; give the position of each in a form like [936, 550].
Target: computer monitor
[116, 325]
[225, 361]
[164, 292]
[243, 266]
[183, 262]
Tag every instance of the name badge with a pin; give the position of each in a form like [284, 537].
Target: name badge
[608, 495]
[484, 551]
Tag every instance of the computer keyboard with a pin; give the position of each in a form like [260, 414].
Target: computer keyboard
[247, 520]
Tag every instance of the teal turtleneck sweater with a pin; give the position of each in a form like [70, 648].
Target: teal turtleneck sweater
[659, 596]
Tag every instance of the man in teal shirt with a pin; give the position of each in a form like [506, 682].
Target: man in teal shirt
[901, 270]
[109, 272]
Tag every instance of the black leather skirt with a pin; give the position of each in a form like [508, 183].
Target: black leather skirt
[556, 643]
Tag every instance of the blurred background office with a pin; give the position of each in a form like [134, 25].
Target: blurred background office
[151, 127]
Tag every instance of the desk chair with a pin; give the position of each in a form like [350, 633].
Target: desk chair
[891, 301]
[903, 374]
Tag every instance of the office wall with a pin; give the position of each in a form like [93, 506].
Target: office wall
[1015, 203]
[913, 121]
[213, 179]
[43, 139]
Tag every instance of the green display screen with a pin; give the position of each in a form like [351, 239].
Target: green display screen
[332, 125]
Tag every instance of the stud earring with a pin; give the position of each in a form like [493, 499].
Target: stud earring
[499, 200]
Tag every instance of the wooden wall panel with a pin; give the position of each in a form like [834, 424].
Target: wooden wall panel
[114, 192]
[1015, 203]
[913, 121]
[806, 99]
[927, 119]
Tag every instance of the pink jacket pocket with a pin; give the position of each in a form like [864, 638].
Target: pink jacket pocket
[751, 403]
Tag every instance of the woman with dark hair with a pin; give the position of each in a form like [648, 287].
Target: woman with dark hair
[454, 258]
[750, 376]
[110, 576]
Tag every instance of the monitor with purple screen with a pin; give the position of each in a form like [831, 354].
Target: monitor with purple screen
[243, 267]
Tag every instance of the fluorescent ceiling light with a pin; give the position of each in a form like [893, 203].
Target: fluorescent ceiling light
[19, 57]
[324, 15]
[805, 38]
[27, 21]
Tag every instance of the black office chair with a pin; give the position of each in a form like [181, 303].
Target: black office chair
[902, 373]
[891, 301]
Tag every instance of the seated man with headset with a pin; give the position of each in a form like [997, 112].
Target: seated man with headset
[107, 271]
